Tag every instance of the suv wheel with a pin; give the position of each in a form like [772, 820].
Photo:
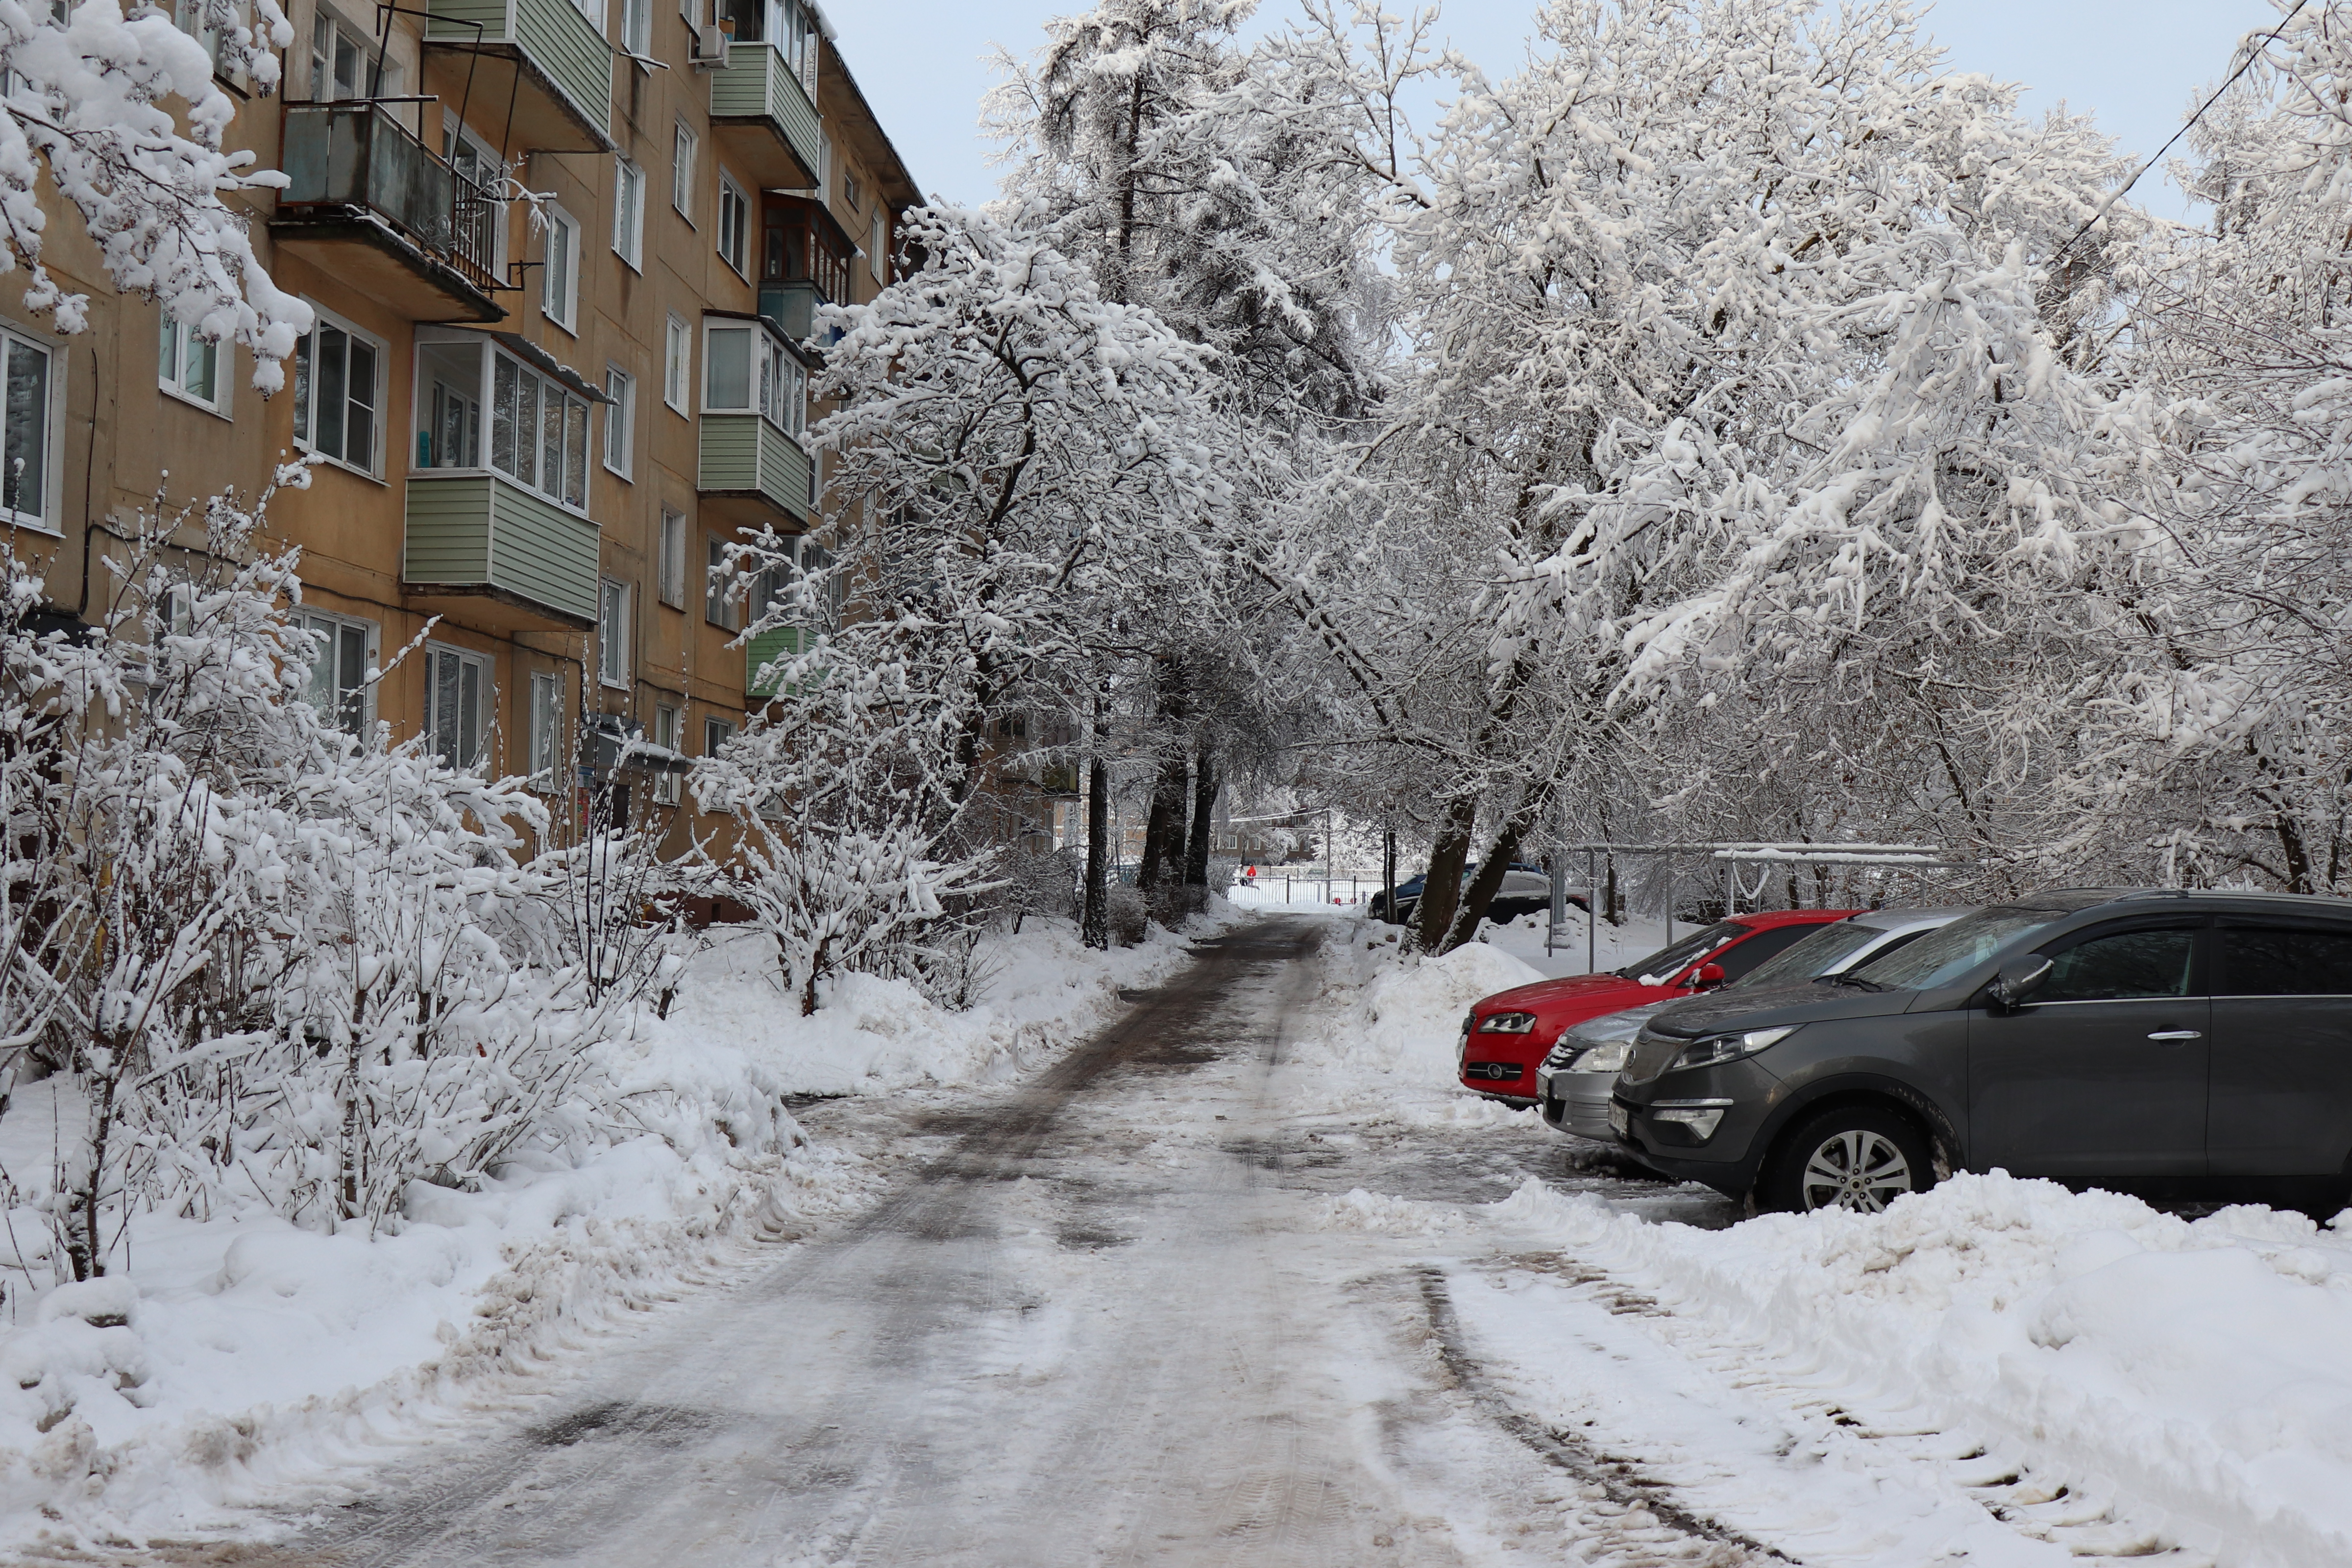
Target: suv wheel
[1860, 1157]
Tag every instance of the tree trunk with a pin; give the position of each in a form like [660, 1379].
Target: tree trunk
[1489, 879]
[1388, 871]
[1205, 785]
[1095, 926]
[1440, 891]
[1163, 830]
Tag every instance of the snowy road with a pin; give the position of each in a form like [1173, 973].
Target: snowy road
[1123, 1317]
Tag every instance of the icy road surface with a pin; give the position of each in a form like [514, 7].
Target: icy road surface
[1148, 1309]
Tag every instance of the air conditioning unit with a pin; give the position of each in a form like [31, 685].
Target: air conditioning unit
[711, 47]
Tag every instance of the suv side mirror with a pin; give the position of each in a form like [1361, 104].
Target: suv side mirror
[1706, 974]
[2018, 979]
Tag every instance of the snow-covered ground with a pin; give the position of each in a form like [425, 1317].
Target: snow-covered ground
[223, 1354]
[1247, 1279]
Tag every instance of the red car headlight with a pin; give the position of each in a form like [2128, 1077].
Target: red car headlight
[1507, 1023]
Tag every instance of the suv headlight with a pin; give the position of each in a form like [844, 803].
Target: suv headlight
[1718, 1048]
[1507, 1023]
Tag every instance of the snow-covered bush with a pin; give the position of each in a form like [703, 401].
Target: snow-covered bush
[280, 964]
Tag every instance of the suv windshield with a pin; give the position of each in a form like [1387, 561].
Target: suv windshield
[1820, 951]
[1668, 961]
[1943, 956]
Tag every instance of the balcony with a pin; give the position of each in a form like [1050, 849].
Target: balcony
[791, 308]
[746, 460]
[365, 203]
[488, 548]
[763, 119]
[769, 648]
[541, 57]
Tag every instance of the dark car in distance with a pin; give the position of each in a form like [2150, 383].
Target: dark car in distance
[2169, 1043]
[1525, 890]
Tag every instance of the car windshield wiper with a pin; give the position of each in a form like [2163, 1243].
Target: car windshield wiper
[1850, 980]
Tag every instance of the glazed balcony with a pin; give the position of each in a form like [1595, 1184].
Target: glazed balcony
[482, 544]
[762, 118]
[366, 202]
[542, 56]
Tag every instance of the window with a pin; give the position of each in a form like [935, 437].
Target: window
[636, 27]
[457, 704]
[480, 213]
[343, 62]
[849, 191]
[716, 733]
[1742, 959]
[877, 247]
[2286, 962]
[824, 164]
[612, 634]
[27, 416]
[748, 369]
[678, 360]
[546, 732]
[628, 212]
[681, 172]
[340, 655]
[721, 605]
[187, 366]
[2120, 967]
[734, 218]
[538, 425]
[665, 733]
[799, 38]
[560, 290]
[338, 392]
[620, 419]
[188, 17]
[673, 559]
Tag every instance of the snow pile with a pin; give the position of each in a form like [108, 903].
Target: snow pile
[2198, 1366]
[242, 1352]
[1396, 1013]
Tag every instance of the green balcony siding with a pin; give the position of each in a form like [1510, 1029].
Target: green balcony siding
[756, 81]
[477, 531]
[743, 452]
[766, 648]
[550, 34]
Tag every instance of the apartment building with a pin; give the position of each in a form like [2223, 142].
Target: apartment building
[566, 260]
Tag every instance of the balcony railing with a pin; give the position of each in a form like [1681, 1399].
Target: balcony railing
[791, 307]
[357, 155]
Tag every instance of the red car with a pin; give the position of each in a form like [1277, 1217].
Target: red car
[1506, 1035]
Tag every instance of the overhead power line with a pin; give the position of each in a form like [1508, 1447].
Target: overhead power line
[2188, 125]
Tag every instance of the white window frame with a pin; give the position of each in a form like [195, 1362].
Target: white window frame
[561, 238]
[326, 22]
[738, 231]
[620, 422]
[533, 387]
[722, 607]
[545, 733]
[485, 704]
[677, 366]
[629, 213]
[613, 633]
[306, 357]
[51, 486]
[174, 342]
[684, 152]
[672, 578]
[363, 704]
[776, 384]
[716, 732]
[877, 260]
[669, 725]
[637, 27]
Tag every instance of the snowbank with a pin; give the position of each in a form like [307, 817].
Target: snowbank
[224, 1355]
[2197, 1367]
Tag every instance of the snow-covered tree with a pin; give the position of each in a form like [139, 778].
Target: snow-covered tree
[120, 118]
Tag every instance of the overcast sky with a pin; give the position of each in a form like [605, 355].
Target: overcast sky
[2138, 65]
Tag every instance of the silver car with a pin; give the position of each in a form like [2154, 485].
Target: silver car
[1573, 1085]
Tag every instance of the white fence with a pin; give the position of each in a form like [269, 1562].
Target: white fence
[1331, 892]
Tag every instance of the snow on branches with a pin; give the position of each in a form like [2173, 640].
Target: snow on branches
[125, 115]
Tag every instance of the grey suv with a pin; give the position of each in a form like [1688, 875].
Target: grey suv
[2163, 1042]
